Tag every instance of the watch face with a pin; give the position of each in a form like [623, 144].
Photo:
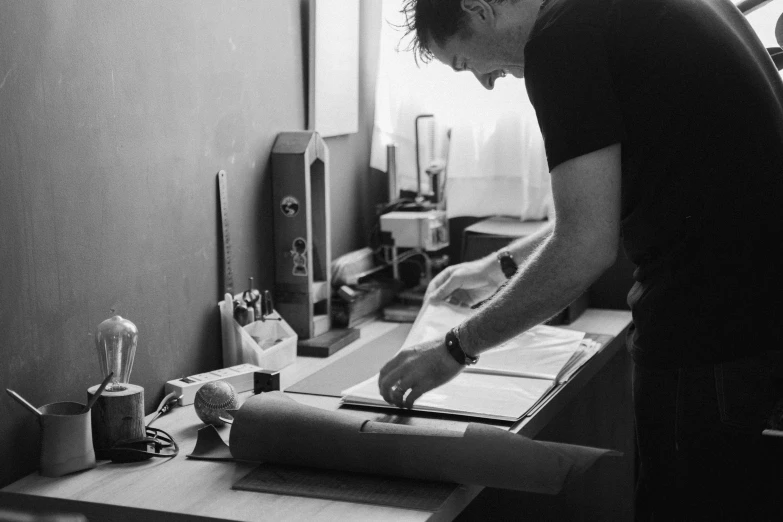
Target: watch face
[507, 263]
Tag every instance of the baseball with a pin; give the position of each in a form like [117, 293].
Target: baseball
[212, 401]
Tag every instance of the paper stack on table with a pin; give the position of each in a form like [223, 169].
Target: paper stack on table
[543, 352]
[508, 381]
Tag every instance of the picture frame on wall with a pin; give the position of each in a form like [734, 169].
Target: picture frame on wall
[333, 84]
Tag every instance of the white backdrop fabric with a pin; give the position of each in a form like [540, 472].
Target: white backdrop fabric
[496, 164]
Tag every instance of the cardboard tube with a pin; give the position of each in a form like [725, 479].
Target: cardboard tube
[272, 427]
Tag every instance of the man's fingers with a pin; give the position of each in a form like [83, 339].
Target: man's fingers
[389, 376]
[398, 396]
[440, 278]
[391, 367]
[401, 387]
[387, 390]
[444, 290]
[394, 394]
[413, 394]
[383, 388]
[436, 285]
[394, 390]
[413, 371]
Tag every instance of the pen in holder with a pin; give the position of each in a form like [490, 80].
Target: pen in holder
[268, 341]
[252, 300]
[268, 308]
[242, 314]
[252, 306]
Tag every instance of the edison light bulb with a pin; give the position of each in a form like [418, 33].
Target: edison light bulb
[115, 340]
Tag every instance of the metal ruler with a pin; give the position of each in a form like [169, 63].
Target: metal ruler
[228, 274]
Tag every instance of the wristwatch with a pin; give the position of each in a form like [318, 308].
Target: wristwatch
[455, 349]
[507, 263]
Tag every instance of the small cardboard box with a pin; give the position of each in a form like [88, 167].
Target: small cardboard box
[270, 344]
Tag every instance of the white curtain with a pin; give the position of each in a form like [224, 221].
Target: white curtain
[496, 163]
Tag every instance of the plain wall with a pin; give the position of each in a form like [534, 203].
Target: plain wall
[114, 119]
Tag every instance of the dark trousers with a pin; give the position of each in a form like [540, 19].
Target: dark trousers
[701, 452]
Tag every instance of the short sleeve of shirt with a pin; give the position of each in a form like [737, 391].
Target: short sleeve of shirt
[570, 86]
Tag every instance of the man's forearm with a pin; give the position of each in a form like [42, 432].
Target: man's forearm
[582, 244]
[521, 249]
[555, 274]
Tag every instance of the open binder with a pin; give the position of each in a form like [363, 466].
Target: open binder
[508, 382]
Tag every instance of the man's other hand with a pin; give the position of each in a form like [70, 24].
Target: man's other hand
[466, 283]
[416, 370]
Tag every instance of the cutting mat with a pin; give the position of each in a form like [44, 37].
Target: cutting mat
[355, 367]
[345, 486]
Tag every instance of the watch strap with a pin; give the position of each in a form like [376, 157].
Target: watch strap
[454, 348]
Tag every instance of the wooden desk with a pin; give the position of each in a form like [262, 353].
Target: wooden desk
[168, 489]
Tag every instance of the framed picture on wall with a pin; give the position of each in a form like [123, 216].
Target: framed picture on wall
[333, 106]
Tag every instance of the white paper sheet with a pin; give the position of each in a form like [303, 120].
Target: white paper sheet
[542, 352]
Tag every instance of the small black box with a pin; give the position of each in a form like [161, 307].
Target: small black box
[266, 380]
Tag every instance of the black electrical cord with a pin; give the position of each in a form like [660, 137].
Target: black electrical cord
[165, 405]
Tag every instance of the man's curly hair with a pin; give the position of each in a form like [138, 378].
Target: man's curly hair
[428, 21]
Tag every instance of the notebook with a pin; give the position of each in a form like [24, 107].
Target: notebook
[507, 383]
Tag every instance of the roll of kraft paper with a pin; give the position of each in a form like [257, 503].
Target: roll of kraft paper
[272, 427]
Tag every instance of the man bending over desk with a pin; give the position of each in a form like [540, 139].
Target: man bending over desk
[663, 127]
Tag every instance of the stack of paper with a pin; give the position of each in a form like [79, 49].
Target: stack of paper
[508, 381]
[543, 352]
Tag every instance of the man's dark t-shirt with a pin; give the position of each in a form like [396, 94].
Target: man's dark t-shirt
[694, 99]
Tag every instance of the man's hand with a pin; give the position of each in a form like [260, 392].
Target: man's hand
[467, 283]
[418, 368]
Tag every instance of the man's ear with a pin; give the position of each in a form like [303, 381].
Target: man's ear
[479, 8]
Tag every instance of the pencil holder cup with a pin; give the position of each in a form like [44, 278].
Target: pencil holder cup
[66, 439]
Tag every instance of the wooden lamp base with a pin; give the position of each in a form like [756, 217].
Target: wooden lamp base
[117, 415]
